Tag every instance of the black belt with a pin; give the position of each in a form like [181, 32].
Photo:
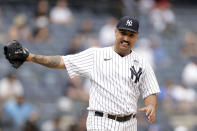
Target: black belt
[116, 117]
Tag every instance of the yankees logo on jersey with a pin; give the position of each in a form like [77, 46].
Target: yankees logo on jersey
[135, 73]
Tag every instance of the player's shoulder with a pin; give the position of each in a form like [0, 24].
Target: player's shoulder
[92, 49]
[102, 49]
[138, 58]
[96, 50]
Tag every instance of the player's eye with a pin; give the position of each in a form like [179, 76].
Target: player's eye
[131, 35]
[122, 33]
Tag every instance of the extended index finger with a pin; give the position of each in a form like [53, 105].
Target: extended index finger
[142, 109]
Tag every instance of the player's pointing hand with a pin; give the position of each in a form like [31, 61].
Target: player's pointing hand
[150, 112]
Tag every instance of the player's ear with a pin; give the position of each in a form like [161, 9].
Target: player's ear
[136, 35]
[116, 31]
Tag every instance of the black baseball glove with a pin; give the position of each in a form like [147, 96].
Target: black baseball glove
[15, 54]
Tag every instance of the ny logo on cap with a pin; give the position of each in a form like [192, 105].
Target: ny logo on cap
[129, 22]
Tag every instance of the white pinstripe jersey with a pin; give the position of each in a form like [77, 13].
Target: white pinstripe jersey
[115, 81]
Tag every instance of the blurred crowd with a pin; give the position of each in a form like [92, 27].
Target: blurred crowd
[169, 45]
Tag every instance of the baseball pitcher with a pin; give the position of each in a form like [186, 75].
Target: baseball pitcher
[117, 74]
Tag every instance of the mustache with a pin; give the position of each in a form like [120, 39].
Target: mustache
[125, 42]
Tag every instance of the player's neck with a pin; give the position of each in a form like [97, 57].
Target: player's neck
[122, 54]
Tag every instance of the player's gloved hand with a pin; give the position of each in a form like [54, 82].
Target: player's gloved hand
[15, 53]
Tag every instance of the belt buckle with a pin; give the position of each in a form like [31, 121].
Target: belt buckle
[105, 115]
[116, 117]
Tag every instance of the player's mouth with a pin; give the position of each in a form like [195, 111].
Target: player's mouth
[124, 43]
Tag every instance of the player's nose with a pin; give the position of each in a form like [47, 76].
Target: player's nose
[126, 38]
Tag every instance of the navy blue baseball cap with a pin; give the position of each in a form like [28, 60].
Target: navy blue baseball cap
[128, 23]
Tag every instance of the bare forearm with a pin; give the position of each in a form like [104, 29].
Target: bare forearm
[48, 61]
[151, 100]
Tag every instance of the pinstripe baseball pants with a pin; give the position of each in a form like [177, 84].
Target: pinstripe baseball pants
[97, 123]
